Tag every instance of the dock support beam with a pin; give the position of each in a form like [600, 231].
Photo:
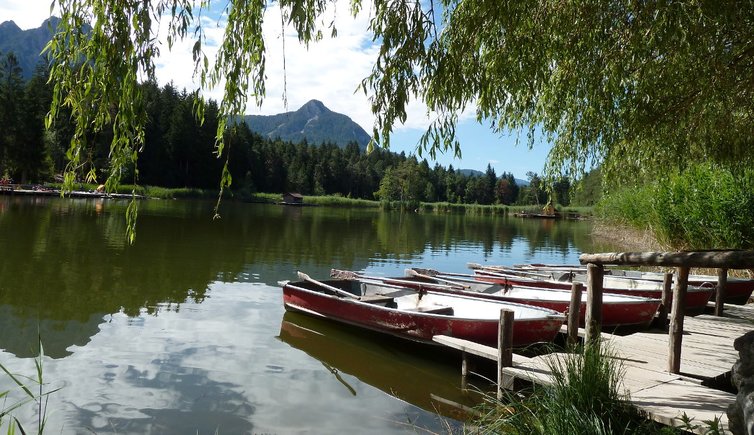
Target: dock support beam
[574, 312]
[722, 287]
[504, 349]
[594, 274]
[667, 294]
[675, 340]
[464, 370]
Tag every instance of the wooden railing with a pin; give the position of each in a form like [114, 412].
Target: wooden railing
[683, 262]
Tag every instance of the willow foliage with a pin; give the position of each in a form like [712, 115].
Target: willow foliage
[639, 86]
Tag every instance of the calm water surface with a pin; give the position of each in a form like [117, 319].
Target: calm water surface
[185, 331]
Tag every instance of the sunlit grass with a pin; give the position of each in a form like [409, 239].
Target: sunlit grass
[341, 201]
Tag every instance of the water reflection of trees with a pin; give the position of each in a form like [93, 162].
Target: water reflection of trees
[350, 236]
[67, 262]
[65, 267]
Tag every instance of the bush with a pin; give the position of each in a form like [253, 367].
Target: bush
[706, 208]
[634, 207]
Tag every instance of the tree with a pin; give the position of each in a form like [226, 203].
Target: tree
[490, 180]
[476, 190]
[11, 97]
[635, 86]
[402, 183]
[588, 189]
[506, 189]
[561, 191]
[31, 156]
[536, 193]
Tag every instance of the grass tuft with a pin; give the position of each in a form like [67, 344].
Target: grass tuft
[584, 398]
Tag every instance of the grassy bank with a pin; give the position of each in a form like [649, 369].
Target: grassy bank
[341, 201]
[446, 207]
[703, 208]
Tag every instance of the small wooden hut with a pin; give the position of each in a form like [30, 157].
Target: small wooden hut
[290, 198]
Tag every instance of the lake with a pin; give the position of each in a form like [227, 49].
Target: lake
[185, 332]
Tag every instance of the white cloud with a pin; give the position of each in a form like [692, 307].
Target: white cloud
[27, 14]
[330, 70]
[140, 372]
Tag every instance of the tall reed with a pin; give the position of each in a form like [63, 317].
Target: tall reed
[702, 208]
[35, 395]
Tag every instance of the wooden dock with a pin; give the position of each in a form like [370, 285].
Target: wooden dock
[708, 354]
[18, 191]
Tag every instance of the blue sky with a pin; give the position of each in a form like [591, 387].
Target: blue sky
[330, 71]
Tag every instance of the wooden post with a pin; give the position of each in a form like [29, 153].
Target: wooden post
[574, 312]
[667, 292]
[594, 274]
[464, 369]
[504, 348]
[722, 287]
[676, 320]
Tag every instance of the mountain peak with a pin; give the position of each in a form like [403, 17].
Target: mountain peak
[53, 22]
[9, 26]
[313, 122]
[313, 108]
[27, 44]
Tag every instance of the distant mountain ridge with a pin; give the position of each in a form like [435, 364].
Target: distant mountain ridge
[475, 173]
[313, 122]
[471, 172]
[27, 45]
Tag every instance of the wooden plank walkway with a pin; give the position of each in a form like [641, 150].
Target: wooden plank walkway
[707, 353]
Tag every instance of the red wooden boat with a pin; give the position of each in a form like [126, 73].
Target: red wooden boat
[737, 290]
[418, 315]
[617, 309]
[696, 297]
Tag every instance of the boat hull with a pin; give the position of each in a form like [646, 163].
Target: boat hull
[419, 326]
[696, 297]
[737, 291]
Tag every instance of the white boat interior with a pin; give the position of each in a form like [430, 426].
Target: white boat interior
[461, 306]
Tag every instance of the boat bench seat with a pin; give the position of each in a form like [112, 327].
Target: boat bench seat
[433, 309]
[376, 299]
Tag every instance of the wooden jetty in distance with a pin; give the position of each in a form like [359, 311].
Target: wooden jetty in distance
[666, 373]
[35, 190]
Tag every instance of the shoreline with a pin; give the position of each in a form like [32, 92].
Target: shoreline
[71, 194]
